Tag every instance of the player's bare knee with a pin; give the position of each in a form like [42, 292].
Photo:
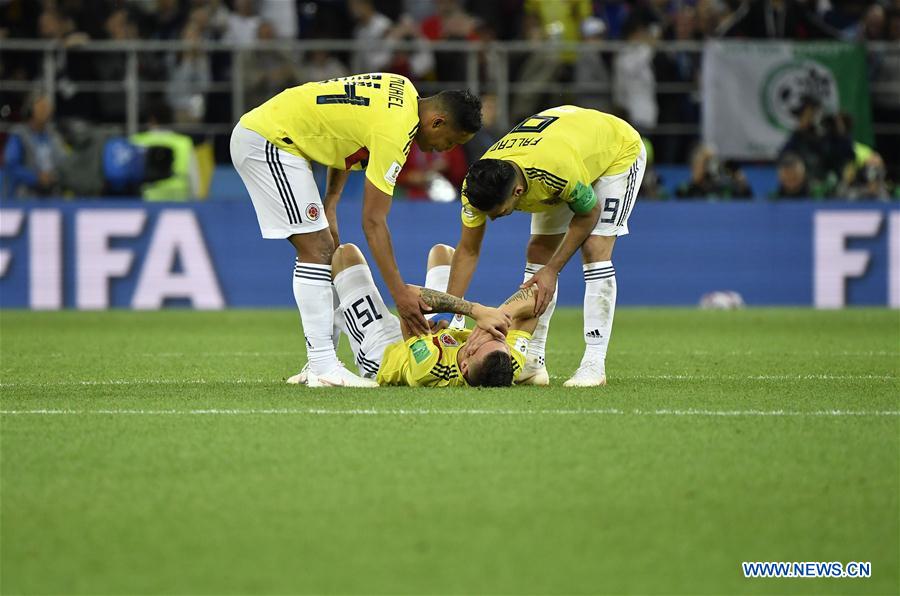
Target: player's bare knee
[440, 254]
[346, 256]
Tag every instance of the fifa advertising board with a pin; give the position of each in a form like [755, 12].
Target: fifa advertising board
[121, 254]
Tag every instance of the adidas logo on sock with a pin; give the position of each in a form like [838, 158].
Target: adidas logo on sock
[595, 334]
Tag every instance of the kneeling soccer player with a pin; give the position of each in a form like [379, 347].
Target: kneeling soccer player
[385, 350]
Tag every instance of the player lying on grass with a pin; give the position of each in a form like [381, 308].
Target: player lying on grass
[577, 171]
[386, 350]
[367, 121]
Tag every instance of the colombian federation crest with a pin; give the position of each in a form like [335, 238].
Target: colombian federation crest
[312, 211]
[448, 340]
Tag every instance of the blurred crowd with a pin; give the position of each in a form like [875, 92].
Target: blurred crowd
[626, 82]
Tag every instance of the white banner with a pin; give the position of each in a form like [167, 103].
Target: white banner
[752, 92]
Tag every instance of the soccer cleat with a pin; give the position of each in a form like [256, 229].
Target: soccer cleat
[338, 377]
[300, 377]
[589, 374]
[534, 373]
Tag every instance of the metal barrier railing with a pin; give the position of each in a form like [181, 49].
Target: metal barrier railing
[488, 68]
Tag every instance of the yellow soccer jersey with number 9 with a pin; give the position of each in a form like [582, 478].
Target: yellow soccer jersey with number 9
[562, 152]
[430, 360]
[364, 121]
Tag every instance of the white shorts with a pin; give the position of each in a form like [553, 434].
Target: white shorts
[616, 195]
[364, 318]
[281, 186]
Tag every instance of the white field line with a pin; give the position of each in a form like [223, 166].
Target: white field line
[461, 412]
[673, 377]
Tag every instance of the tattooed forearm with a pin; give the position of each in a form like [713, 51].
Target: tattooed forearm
[521, 295]
[442, 302]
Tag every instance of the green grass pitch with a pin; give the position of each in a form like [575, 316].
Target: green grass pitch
[161, 453]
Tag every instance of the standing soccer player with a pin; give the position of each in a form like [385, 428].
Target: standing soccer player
[366, 121]
[578, 172]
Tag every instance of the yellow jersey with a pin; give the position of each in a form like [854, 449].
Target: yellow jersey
[365, 121]
[430, 360]
[562, 152]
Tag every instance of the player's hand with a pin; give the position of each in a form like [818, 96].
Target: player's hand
[492, 320]
[544, 282]
[477, 338]
[410, 307]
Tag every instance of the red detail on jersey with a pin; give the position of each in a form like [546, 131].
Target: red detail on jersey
[448, 340]
[361, 155]
[312, 212]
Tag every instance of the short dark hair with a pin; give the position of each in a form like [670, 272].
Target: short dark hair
[789, 159]
[464, 108]
[488, 183]
[496, 370]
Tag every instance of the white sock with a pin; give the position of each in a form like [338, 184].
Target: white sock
[335, 329]
[313, 293]
[599, 309]
[538, 344]
[437, 278]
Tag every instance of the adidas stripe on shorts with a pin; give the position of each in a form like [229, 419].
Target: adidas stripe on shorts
[281, 186]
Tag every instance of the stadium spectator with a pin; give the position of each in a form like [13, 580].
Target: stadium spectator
[282, 16]
[709, 17]
[838, 147]
[652, 185]
[872, 25]
[267, 72]
[70, 66]
[634, 82]
[243, 24]
[711, 179]
[34, 151]
[869, 181]
[425, 174]
[590, 68]
[371, 29]
[777, 19]
[112, 67]
[806, 142]
[450, 21]
[184, 182]
[845, 16]
[415, 64]
[166, 21]
[884, 74]
[680, 67]
[793, 182]
[188, 80]
[321, 65]
[545, 24]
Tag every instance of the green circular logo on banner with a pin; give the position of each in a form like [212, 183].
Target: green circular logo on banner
[788, 83]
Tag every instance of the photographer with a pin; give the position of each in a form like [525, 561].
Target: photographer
[711, 179]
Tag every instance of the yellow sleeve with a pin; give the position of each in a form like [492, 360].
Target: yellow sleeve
[518, 340]
[386, 159]
[423, 355]
[471, 217]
